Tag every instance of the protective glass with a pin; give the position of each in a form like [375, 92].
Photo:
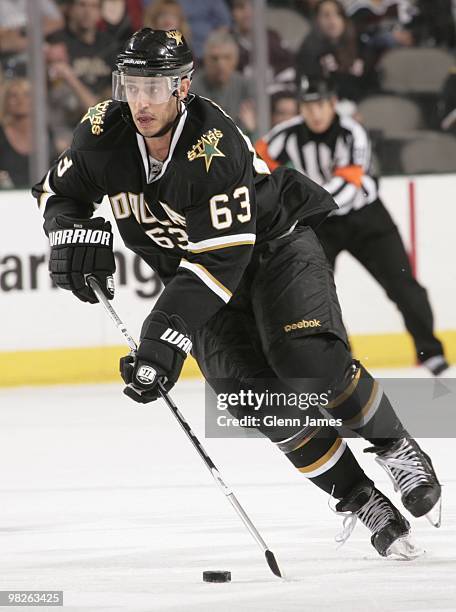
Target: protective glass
[129, 88]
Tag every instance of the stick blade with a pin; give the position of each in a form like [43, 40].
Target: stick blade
[273, 563]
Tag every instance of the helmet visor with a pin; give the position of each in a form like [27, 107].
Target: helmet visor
[131, 88]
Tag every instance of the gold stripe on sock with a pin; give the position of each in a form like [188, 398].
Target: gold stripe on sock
[359, 417]
[320, 462]
[346, 393]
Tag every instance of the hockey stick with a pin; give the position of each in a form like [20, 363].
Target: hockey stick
[270, 558]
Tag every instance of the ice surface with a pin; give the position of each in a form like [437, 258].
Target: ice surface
[108, 501]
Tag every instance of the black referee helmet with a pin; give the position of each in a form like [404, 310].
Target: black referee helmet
[312, 90]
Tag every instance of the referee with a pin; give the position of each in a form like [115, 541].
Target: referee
[336, 153]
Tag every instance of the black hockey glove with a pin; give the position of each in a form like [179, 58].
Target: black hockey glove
[80, 247]
[160, 356]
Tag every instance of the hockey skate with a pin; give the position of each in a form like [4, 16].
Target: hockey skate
[390, 530]
[412, 474]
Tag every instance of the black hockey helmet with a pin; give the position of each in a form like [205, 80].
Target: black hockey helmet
[312, 90]
[161, 59]
[156, 53]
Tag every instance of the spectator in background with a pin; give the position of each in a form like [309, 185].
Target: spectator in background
[16, 134]
[167, 15]
[331, 50]
[204, 17]
[80, 65]
[117, 20]
[382, 25]
[284, 106]
[13, 31]
[222, 83]
[280, 58]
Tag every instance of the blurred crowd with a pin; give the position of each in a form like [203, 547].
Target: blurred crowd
[380, 55]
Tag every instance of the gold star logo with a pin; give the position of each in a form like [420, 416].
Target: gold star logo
[209, 151]
[207, 148]
[176, 35]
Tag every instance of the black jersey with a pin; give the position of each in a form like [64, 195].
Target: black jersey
[339, 159]
[196, 218]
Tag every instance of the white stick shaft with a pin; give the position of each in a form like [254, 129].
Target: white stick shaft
[93, 284]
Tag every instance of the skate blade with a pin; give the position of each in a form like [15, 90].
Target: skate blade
[405, 549]
[450, 372]
[434, 516]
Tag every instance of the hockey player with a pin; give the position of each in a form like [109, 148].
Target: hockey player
[335, 152]
[249, 289]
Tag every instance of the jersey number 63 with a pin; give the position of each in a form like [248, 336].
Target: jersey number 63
[221, 214]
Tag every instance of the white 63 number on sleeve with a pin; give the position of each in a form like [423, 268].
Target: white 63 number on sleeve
[221, 212]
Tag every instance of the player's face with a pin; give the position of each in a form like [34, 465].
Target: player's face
[148, 115]
[319, 115]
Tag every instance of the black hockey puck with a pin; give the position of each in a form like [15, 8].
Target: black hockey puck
[216, 576]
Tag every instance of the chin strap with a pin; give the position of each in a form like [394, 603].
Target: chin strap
[172, 124]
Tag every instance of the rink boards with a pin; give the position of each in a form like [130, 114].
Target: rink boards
[48, 336]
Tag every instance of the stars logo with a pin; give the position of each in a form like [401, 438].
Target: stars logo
[176, 35]
[95, 114]
[207, 148]
[91, 113]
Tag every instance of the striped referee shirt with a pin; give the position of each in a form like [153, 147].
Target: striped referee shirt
[340, 160]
